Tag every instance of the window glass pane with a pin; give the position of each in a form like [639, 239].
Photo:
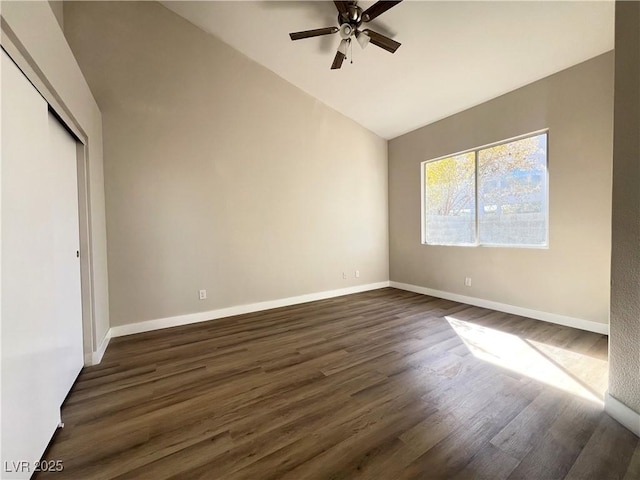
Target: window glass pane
[450, 200]
[512, 193]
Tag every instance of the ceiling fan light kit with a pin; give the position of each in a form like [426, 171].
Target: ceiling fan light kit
[363, 39]
[346, 31]
[342, 48]
[350, 18]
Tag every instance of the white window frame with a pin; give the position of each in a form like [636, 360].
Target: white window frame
[476, 150]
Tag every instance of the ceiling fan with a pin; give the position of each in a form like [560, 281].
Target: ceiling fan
[350, 18]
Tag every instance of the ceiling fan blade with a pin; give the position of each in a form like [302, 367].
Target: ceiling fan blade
[313, 33]
[337, 61]
[377, 9]
[382, 41]
[342, 6]
[341, 54]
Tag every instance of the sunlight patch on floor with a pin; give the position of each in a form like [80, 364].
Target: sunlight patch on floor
[569, 371]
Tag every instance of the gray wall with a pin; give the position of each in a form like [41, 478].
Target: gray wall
[572, 276]
[624, 340]
[220, 175]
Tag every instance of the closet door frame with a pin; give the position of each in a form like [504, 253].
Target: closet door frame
[35, 76]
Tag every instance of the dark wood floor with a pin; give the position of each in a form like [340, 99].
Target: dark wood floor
[381, 385]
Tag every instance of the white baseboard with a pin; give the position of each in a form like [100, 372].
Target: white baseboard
[622, 414]
[157, 324]
[96, 357]
[565, 320]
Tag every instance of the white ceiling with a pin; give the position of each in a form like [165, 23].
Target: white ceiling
[454, 55]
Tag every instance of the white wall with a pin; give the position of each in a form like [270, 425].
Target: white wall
[624, 342]
[219, 174]
[571, 277]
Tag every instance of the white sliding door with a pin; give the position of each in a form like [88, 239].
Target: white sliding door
[66, 244]
[30, 410]
[41, 330]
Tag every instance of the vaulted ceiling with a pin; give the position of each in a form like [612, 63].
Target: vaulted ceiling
[454, 55]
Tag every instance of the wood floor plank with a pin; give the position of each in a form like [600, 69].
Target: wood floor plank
[524, 431]
[633, 470]
[608, 453]
[555, 452]
[452, 454]
[490, 463]
[376, 385]
[343, 459]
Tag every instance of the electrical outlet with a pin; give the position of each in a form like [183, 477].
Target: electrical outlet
[202, 294]
[467, 281]
[357, 273]
[344, 275]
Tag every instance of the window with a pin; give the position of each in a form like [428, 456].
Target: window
[495, 195]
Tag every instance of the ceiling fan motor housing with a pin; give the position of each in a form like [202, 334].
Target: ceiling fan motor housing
[353, 16]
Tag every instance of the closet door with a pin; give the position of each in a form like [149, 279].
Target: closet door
[66, 245]
[30, 406]
[41, 327]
